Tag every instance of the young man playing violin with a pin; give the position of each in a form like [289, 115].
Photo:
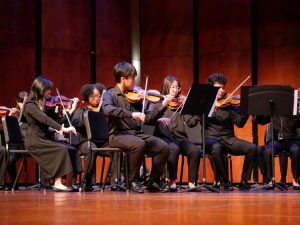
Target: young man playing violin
[125, 120]
[172, 129]
[220, 136]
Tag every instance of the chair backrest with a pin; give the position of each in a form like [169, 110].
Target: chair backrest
[194, 134]
[12, 131]
[96, 126]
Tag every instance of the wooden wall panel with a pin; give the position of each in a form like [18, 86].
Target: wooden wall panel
[17, 47]
[278, 48]
[167, 41]
[225, 46]
[66, 44]
[17, 53]
[113, 43]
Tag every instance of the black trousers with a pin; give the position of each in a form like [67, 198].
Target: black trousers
[291, 147]
[3, 161]
[193, 154]
[233, 146]
[136, 146]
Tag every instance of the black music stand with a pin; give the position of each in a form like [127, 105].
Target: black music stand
[269, 100]
[200, 101]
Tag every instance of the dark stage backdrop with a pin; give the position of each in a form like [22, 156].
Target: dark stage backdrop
[71, 31]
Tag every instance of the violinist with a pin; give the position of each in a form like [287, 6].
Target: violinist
[171, 128]
[55, 159]
[125, 119]
[286, 139]
[91, 95]
[220, 137]
[13, 157]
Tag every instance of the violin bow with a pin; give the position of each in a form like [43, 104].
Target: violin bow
[21, 113]
[145, 93]
[235, 90]
[101, 100]
[62, 104]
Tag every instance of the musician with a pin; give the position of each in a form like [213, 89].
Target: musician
[13, 157]
[171, 128]
[286, 139]
[220, 136]
[125, 120]
[91, 95]
[55, 159]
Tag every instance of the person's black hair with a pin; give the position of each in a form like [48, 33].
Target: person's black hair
[216, 77]
[38, 88]
[21, 95]
[123, 69]
[167, 83]
[87, 90]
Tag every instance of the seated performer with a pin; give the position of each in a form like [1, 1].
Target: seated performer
[91, 95]
[172, 130]
[125, 119]
[55, 159]
[286, 140]
[220, 137]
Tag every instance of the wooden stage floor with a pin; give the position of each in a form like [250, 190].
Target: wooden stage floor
[109, 208]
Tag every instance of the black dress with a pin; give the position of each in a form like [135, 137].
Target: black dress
[54, 158]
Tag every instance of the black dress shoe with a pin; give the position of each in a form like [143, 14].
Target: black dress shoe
[118, 188]
[227, 186]
[88, 188]
[243, 185]
[154, 187]
[136, 187]
[194, 189]
[216, 184]
[9, 188]
[297, 188]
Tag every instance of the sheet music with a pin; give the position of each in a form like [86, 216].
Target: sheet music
[295, 107]
[213, 106]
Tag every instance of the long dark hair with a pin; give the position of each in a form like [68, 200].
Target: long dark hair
[38, 88]
[167, 83]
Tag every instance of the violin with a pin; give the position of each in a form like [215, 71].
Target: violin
[138, 94]
[233, 100]
[53, 101]
[177, 102]
[5, 110]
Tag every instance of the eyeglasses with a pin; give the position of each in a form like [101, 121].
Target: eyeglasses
[176, 87]
[95, 96]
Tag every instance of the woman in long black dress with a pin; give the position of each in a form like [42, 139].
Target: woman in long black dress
[55, 159]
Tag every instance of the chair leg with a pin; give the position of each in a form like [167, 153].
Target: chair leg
[102, 171]
[18, 174]
[181, 170]
[107, 174]
[230, 166]
[127, 172]
[25, 173]
[144, 170]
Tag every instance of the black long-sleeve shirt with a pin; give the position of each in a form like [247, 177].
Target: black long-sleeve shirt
[119, 113]
[287, 124]
[221, 124]
[176, 129]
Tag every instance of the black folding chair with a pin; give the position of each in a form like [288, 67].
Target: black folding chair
[97, 132]
[14, 142]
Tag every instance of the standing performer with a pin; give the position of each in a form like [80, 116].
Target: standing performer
[172, 129]
[56, 160]
[220, 136]
[125, 120]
